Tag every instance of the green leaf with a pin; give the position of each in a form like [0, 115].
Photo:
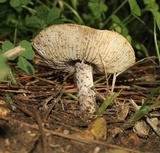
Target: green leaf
[115, 19]
[149, 97]
[4, 69]
[97, 8]
[107, 102]
[8, 98]
[148, 1]
[157, 18]
[2, 1]
[139, 46]
[12, 78]
[42, 12]
[25, 2]
[6, 46]
[24, 65]
[135, 9]
[33, 22]
[28, 53]
[74, 4]
[15, 3]
[117, 27]
[151, 5]
[129, 38]
[53, 14]
[144, 109]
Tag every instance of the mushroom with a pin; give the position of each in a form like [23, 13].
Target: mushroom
[84, 50]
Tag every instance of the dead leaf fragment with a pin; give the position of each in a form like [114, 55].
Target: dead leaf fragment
[123, 112]
[4, 111]
[2, 102]
[86, 134]
[134, 138]
[116, 151]
[1, 151]
[141, 129]
[154, 121]
[98, 128]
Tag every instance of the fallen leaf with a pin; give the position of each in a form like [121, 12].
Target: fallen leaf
[98, 128]
[134, 138]
[123, 112]
[116, 151]
[86, 134]
[141, 129]
[4, 111]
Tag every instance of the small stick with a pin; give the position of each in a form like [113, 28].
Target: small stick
[155, 128]
[54, 103]
[43, 135]
[13, 51]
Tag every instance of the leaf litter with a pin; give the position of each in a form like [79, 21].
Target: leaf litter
[43, 117]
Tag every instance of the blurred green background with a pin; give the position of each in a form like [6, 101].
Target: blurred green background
[138, 21]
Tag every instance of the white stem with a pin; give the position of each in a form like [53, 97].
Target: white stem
[86, 95]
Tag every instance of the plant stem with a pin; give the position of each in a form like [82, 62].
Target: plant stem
[155, 41]
[120, 6]
[72, 96]
[74, 12]
[15, 37]
[106, 103]
[100, 79]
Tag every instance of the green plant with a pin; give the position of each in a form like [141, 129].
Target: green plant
[106, 103]
[20, 54]
[138, 21]
[12, 14]
[153, 7]
[144, 110]
[43, 17]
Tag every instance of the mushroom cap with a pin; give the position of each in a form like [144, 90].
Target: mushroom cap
[61, 46]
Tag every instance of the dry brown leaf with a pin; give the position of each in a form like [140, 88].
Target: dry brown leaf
[86, 134]
[4, 111]
[141, 129]
[98, 128]
[116, 151]
[134, 138]
[123, 112]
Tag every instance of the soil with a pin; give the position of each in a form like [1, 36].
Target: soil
[39, 116]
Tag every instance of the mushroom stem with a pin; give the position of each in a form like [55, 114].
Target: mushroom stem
[84, 80]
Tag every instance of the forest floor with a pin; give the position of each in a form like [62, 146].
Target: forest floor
[39, 116]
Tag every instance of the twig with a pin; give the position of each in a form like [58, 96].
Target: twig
[13, 51]
[59, 121]
[43, 135]
[38, 120]
[25, 110]
[155, 128]
[54, 103]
